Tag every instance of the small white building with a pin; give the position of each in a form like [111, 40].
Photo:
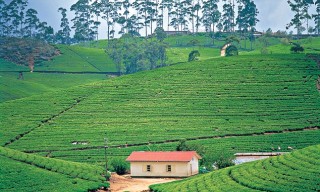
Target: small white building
[164, 164]
[248, 157]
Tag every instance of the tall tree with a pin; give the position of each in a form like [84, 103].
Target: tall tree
[110, 15]
[298, 7]
[16, 11]
[195, 10]
[82, 22]
[64, 32]
[316, 17]
[2, 17]
[211, 15]
[307, 16]
[95, 9]
[227, 16]
[168, 5]
[125, 4]
[31, 22]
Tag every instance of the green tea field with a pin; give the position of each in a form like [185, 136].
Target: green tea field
[26, 172]
[220, 97]
[297, 171]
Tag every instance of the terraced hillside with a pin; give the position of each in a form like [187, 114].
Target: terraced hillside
[223, 97]
[26, 172]
[297, 171]
[75, 66]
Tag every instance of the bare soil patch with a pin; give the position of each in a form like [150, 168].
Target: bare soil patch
[126, 183]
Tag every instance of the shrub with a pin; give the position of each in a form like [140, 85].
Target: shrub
[296, 48]
[232, 51]
[193, 55]
[119, 166]
[224, 161]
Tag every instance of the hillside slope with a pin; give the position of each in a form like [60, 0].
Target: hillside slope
[297, 171]
[219, 97]
[25, 172]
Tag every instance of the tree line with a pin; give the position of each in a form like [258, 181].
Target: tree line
[135, 17]
[138, 17]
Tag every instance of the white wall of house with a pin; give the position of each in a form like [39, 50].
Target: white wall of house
[160, 169]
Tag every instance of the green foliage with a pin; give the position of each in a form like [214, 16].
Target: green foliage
[296, 48]
[295, 171]
[120, 166]
[224, 160]
[132, 56]
[231, 51]
[160, 34]
[193, 55]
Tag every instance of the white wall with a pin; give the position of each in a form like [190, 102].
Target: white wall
[159, 169]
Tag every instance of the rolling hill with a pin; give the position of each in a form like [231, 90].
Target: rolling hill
[239, 96]
[248, 103]
[297, 171]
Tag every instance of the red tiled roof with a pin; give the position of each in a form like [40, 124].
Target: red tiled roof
[174, 156]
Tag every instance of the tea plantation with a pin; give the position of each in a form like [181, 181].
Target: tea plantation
[297, 171]
[26, 172]
[249, 103]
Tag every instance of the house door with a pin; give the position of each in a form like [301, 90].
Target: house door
[191, 169]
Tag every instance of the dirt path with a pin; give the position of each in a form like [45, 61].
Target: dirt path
[126, 183]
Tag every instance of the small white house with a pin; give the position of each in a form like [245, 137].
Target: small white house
[164, 164]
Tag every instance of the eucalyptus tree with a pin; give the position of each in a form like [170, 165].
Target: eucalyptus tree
[45, 32]
[196, 16]
[153, 12]
[182, 12]
[95, 9]
[2, 17]
[160, 15]
[126, 6]
[247, 18]
[31, 22]
[110, 14]
[64, 33]
[82, 22]
[227, 16]
[298, 7]
[211, 15]
[316, 17]
[187, 14]
[147, 9]
[168, 5]
[16, 12]
[307, 15]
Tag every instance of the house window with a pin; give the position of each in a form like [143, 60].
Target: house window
[148, 168]
[168, 168]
